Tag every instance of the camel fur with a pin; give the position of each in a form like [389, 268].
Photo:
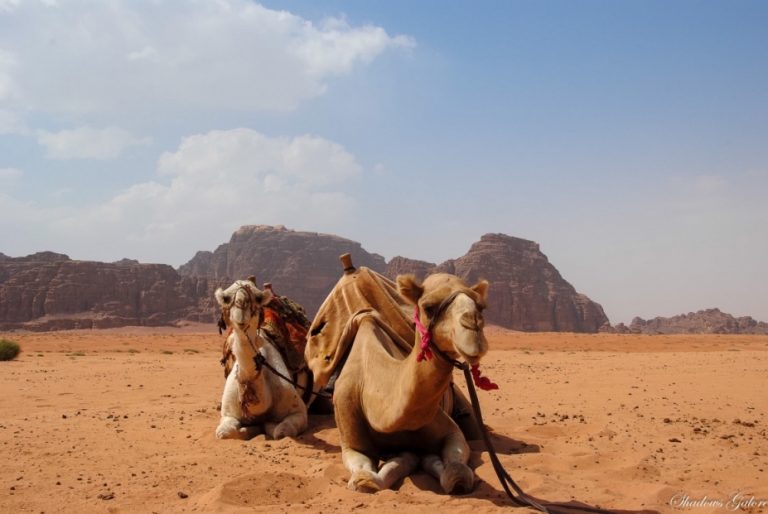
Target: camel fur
[388, 405]
[255, 400]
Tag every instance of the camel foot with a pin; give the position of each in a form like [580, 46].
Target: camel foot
[227, 431]
[235, 431]
[365, 481]
[457, 479]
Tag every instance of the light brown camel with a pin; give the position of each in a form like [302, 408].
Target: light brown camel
[387, 404]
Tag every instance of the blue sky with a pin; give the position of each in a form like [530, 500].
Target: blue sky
[627, 138]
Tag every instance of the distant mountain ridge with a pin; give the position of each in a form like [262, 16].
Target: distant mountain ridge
[707, 321]
[47, 291]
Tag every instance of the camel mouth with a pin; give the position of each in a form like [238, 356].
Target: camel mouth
[242, 326]
[471, 359]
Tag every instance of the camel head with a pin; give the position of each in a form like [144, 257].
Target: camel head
[241, 303]
[457, 327]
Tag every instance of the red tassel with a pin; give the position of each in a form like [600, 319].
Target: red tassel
[426, 338]
[482, 382]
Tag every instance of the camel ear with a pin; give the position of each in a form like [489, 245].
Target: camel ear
[264, 297]
[410, 288]
[481, 288]
[252, 279]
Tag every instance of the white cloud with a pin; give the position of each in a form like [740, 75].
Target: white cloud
[8, 175]
[88, 143]
[209, 186]
[89, 58]
[8, 5]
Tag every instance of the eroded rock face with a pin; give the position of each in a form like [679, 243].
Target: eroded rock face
[403, 266]
[526, 291]
[708, 321]
[49, 291]
[301, 265]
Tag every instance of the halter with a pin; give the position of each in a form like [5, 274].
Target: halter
[428, 346]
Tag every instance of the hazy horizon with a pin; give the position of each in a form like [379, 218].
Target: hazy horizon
[627, 139]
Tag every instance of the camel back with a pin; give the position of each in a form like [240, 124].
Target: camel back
[332, 331]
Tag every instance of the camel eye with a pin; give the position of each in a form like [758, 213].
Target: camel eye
[226, 298]
[429, 310]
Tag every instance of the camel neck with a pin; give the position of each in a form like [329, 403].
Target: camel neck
[420, 389]
[244, 353]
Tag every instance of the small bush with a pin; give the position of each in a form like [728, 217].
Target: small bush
[8, 350]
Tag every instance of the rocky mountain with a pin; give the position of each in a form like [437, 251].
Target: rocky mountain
[301, 265]
[526, 292]
[50, 291]
[402, 265]
[709, 321]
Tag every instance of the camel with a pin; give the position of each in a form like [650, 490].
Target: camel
[255, 400]
[387, 402]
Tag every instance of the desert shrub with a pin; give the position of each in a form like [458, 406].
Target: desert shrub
[8, 350]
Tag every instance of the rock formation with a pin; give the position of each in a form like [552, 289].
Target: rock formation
[49, 291]
[709, 321]
[402, 265]
[301, 265]
[526, 291]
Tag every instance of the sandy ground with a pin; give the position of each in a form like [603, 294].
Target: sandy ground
[123, 421]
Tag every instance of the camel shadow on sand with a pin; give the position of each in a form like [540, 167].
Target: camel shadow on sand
[495, 494]
[318, 423]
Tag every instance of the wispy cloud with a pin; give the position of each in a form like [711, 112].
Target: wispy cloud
[8, 175]
[107, 57]
[89, 143]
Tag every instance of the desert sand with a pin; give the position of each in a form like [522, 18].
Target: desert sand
[123, 421]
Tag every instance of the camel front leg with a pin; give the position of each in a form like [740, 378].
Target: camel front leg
[451, 468]
[364, 477]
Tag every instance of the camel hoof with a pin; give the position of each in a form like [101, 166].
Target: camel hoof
[364, 481]
[457, 479]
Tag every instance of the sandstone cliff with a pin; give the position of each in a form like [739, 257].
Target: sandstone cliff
[526, 291]
[49, 291]
[403, 265]
[301, 265]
